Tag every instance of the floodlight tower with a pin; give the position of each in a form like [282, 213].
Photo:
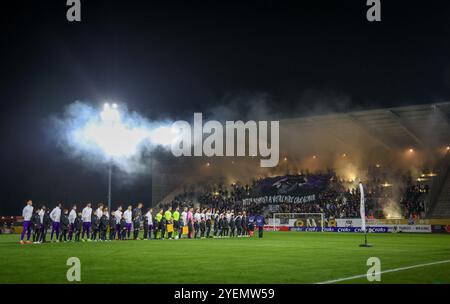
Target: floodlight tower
[110, 115]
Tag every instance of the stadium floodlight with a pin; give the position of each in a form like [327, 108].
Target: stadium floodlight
[110, 117]
[110, 135]
[110, 113]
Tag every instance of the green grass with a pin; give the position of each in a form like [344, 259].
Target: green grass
[280, 257]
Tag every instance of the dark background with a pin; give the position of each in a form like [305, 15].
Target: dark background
[171, 58]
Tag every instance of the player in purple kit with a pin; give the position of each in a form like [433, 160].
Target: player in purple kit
[128, 216]
[27, 213]
[55, 216]
[86, 215]
[36, 225]
[72, 217]
[118, 216]
[148, 224]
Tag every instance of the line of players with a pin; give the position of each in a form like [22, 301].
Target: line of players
[98, 225]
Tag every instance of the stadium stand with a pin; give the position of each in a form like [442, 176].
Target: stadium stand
[333, 196]
[411, 138]
[440, 195]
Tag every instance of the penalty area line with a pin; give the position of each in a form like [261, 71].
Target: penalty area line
[384, 271]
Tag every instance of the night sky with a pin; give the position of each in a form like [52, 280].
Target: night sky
[171, 58]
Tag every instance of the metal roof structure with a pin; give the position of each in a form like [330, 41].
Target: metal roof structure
[426, 125]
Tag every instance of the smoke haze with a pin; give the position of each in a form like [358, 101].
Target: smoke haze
[317, 139]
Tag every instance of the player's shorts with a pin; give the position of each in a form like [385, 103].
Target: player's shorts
[176, 225]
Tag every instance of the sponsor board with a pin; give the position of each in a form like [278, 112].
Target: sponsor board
[355, 222]
[352, 225]
[440, 228]
[340, 229]
[443, 222]
[277, 228]
[8, 231]
[383, 222]
[309, 221]
[410, 228]
[370, 229]
[393, 225]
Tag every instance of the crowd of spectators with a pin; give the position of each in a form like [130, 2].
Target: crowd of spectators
[413, 202]
[336, 199]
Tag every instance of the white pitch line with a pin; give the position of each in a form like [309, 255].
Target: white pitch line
[385, 271]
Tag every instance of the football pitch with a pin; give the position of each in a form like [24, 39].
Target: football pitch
[280, 257]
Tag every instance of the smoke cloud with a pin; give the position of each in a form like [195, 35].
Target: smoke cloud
[82, 134]
[312, 139]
